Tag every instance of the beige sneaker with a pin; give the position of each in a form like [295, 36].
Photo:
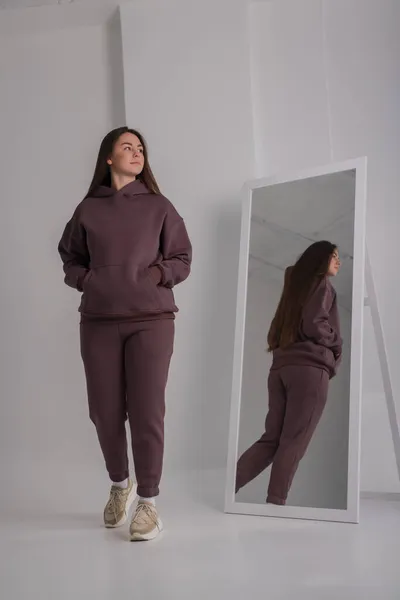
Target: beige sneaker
[117, 508]
[146, 524]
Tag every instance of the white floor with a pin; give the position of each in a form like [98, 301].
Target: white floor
[53, 547]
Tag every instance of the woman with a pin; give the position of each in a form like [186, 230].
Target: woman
[125, 248]
[306, 344]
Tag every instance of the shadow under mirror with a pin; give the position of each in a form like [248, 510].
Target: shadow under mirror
[286, 219]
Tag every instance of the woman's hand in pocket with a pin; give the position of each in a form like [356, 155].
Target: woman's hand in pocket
[83, 280]
[156, 274]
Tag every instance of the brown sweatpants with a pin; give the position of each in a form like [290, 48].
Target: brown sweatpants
[297, 398]
[126, 366]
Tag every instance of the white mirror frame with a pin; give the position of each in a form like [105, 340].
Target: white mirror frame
[351, 514]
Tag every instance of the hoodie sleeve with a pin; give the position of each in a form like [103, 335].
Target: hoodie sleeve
[74, 252]
[176, 250]
[334, 319]
[321, 320]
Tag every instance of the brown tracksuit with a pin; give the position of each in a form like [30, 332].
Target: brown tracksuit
[126, 250]
[298, 388]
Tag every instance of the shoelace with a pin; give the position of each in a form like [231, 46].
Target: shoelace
[149, 512]
[116, 501]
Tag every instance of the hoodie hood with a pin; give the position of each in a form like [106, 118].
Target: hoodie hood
[135, 188]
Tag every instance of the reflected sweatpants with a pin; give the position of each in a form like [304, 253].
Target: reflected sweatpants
[297, 398]
[126, 366]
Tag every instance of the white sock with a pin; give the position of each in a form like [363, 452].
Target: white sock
[148, 500]
[121, 484]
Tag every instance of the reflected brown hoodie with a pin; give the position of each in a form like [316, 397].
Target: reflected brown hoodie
[111, 244]
[318, 341]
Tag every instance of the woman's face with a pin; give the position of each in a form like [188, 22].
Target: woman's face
[334, 264]
[127, 158]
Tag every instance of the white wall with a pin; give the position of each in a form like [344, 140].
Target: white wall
[325, 76]
[187, 87]
[57, 101]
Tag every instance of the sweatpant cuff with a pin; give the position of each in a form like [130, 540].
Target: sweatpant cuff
[118, 477]
[147, 492]
[276, 500]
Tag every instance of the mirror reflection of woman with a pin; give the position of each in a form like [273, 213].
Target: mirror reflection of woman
[305, 342]
[125, 248]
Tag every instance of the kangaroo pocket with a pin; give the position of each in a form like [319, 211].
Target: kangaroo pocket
[119, 290]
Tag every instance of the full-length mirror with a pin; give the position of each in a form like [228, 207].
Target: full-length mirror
[294, 438]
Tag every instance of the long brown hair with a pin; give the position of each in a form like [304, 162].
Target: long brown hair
[300, 281]
[102, 172]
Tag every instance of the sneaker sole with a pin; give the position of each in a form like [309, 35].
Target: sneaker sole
[147, 537]
[129, 502]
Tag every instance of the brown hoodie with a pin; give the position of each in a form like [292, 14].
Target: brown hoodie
[112, 245]
[318, 342]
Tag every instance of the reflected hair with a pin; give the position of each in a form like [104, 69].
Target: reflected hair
[102, 172]
[301, 280]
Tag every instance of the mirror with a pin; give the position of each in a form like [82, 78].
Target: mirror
[295, 415]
